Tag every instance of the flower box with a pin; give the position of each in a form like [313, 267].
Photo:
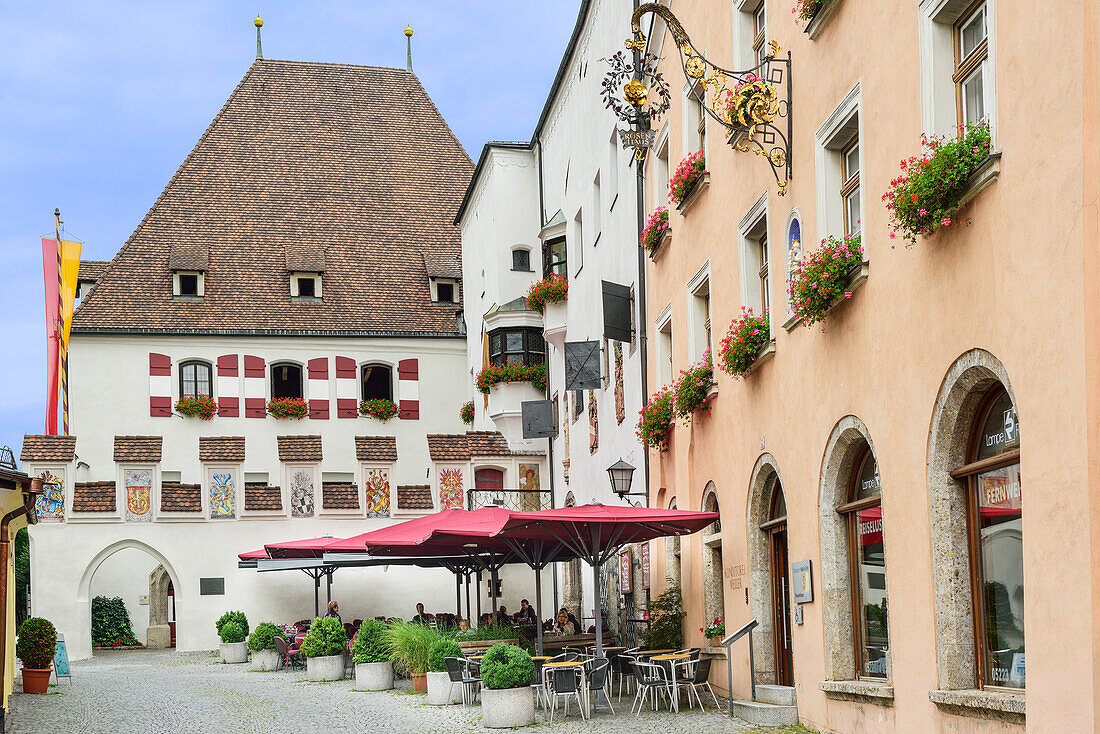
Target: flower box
[765, 353]
[820, 17]
[747, 343]
[694, 193]
[554, 289]
[662, 245]
[655, 419]
[712, 391]
[553, 324]
[656, 233]
[826, 276]
[466, 412]
[982, 178]
[857, 276]
[379, 409]
[693, 387]
[295, 408]
[686, 177]
[203, 407]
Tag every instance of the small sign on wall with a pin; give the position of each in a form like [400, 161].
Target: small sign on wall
[626, 566]
[645, 565]
[143, 600]
[802, 585]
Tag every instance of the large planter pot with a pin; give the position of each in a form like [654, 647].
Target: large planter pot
[265, 660]
[374, 676]
[440, 690]
[36, 680]
[420, 682]
[327, 667]
[507, 707]
[553, 323]
[234, 652]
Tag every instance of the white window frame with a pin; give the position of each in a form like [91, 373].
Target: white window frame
[295, 291]
[937, 18]
[578, 242]
[743, 36]
[700, 292]
[596, 209]
[200, 287]
[829, 140]
[661, 169]
[749, 245]
[693, 116]
[666, 364]
[435, 282]
[612, 189]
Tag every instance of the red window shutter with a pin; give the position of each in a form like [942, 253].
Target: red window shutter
[318, 368]
[160, 364]
[408, 369]
[227, 365]
[345, 368]
[253, 366]
[409, 410]
[160, 407]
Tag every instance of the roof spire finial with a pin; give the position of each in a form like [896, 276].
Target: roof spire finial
[409, 51]
[259, 23]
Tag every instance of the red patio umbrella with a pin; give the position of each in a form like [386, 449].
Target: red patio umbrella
[253, 555]
[306, 548]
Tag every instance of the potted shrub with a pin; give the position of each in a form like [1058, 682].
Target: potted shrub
[295, 408]
[200, 406]
[746, 342]
[371, 655]
[233, 630]
[440, 690]
[412, 644]
[507, 699]
[655, 419]
[929, 190]
[823, 278]
[716, 630]
[655, 231]
[688, 174]
[466, 412]
[323, 648]
[262, 644]
[693, 386]
[35, 648]
[379, 408]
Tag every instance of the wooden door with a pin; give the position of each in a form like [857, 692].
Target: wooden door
[489, 479]
[781, 606]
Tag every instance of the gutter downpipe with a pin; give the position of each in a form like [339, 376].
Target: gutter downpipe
[641, 294]
[24, 509]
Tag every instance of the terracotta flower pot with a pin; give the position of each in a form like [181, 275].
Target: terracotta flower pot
[420, 682]
[36, 680]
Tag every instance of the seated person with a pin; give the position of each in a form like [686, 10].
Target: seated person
[463, 625]
[576, 622]
[564, 626]
[502, 615]
[485, 619]
[334, 611]
[421, 617]
[526, 613]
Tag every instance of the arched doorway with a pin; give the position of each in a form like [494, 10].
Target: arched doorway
[162, 606]
[769, 574]
[672, 555]
[713, 601]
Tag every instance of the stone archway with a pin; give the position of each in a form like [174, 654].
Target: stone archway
[571, 590]
[713, 600]
[159, 634]
[966, 382]
[762, 486]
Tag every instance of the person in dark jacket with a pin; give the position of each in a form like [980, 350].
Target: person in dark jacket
[334, 611]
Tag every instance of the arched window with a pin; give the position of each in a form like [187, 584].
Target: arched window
[995, 511]
[286, 380]
[713, 600]
[521, 259]
[376, 382]
[195, 379]
[867, 561]
[779, 570]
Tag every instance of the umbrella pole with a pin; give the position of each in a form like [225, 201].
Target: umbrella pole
[493, 590]
[538, 605]
[317, 595]
[477, 585]
[600, 695]
[466, 575]
[328, 586]
[458, 596]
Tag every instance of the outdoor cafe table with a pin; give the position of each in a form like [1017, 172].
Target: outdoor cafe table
[584, 680]
[670, 663]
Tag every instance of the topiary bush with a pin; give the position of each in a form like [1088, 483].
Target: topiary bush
[506, 666]
[231, 632]
[37, 643]
[445, 648]
[326, 636]
[238, 617]
[372, 643]
[263, 637]
[111, 623]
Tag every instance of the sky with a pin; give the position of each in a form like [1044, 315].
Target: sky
[100, 102]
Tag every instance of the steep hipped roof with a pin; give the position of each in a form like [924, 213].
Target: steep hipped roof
[349, 166]
[464, 446]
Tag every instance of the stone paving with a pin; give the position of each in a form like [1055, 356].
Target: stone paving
[154, 691]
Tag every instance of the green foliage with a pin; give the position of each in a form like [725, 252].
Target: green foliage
[37, 643]
[489, 632]
[412, 644]
[823, 277]
[506, 666]
[691, 388]
[666, 621]
[231, 633]
[443, 648]
[238, 617]
[655, 418]
[742, 344]
[263, 637]
[372, 643]
[22, 573]
[111, 623]
[326, 636]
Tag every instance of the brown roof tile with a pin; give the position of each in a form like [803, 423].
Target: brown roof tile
[48, 448]
[221, 448]
[177, 497]
[189, 256]
[305, 258]
[137, 448]
[415, 497]
[340, 496]
[376, 448]
[90, 270]
[262, 497]
[299, 448]
[94, 497]
[464, 446]
[354, 162]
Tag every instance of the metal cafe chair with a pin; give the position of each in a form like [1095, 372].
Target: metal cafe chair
[651, 678]
[599, 680]
[565, 682]
[702, 678]
[456, 671]
[623, 670]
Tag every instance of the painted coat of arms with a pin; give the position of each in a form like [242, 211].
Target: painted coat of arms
[50, 505]
[139, 494]
[301, 493]
[223, 496]
[377, 484]
[450, 489]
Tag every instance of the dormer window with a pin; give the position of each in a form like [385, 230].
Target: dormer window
[305, 286]
[187, 284]
[444, 290]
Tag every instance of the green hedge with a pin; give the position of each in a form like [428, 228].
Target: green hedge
[263, 637]
[372, 643]
[506, 666]
[238, 617]
[326, 636]
[231, 632]
[111, 623]
[445, 648]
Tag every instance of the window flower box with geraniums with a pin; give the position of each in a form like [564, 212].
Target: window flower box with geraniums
[655, 231]
[717, 628]
[466, 412]
[199, 406]
[928, 193]
[555, 289]
[498, 373]
[687, 175]
[655, 419]
[807, 9]
[379, 408]
[692, 387]
[288, 408]
[824, 277]
[743, 346]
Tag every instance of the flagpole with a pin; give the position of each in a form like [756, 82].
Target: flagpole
[62, 346]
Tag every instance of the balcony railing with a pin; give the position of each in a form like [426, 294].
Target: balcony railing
[520, 500]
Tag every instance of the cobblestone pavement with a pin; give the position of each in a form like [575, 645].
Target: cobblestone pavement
[154, 691]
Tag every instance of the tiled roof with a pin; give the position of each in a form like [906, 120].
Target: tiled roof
[189, 256]
[442, 265]
[94, 497]
[350, 165]
[90, 270]
[221, 448]
[416, 497]
[48, 448]
[299, 448]
[262, 497]
[340, 496]
[137, 448]
[376, 448]
[464, 446]
[177, 497]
